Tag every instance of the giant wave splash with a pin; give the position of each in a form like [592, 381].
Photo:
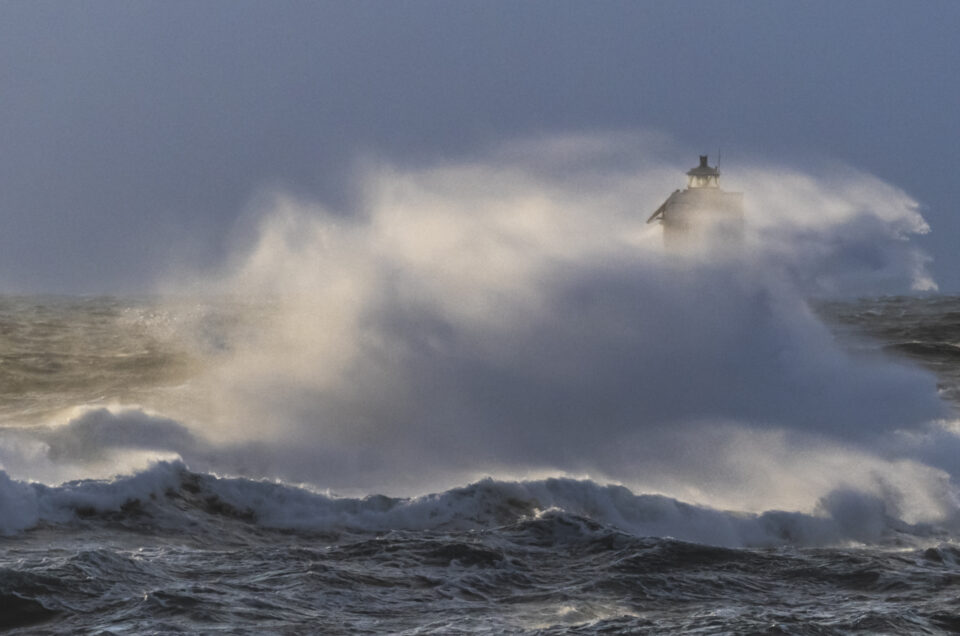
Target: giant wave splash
[513, 316]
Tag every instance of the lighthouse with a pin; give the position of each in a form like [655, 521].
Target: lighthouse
[703, 212]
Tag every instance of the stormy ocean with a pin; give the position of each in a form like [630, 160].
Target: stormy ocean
[167, 547]
[491, 401]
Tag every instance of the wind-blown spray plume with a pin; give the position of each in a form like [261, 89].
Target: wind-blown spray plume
[515, 316]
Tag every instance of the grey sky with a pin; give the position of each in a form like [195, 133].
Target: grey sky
[136, 132]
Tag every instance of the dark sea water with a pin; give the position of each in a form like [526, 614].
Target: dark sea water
[167, 548]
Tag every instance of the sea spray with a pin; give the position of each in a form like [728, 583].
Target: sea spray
[615, 438]
[516, 314]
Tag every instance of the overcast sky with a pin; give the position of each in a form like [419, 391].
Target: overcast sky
[133, 133]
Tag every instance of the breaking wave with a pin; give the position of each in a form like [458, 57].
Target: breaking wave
[168, 496]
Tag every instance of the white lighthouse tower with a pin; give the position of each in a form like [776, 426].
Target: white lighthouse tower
[702, 212]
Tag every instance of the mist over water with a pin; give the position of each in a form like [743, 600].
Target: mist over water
[516, 317]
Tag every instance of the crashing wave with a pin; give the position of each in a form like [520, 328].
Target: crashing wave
[170, 496]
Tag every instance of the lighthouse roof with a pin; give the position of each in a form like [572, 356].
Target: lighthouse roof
[703, 170]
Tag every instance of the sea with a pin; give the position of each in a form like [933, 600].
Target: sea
[160, 543]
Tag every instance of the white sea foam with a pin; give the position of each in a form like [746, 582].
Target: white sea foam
[842, 517]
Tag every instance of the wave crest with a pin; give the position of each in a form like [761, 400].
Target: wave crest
[168, 496]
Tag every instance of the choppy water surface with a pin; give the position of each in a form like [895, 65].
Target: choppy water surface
[926, 330]
[169, 549]
[58, 352]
